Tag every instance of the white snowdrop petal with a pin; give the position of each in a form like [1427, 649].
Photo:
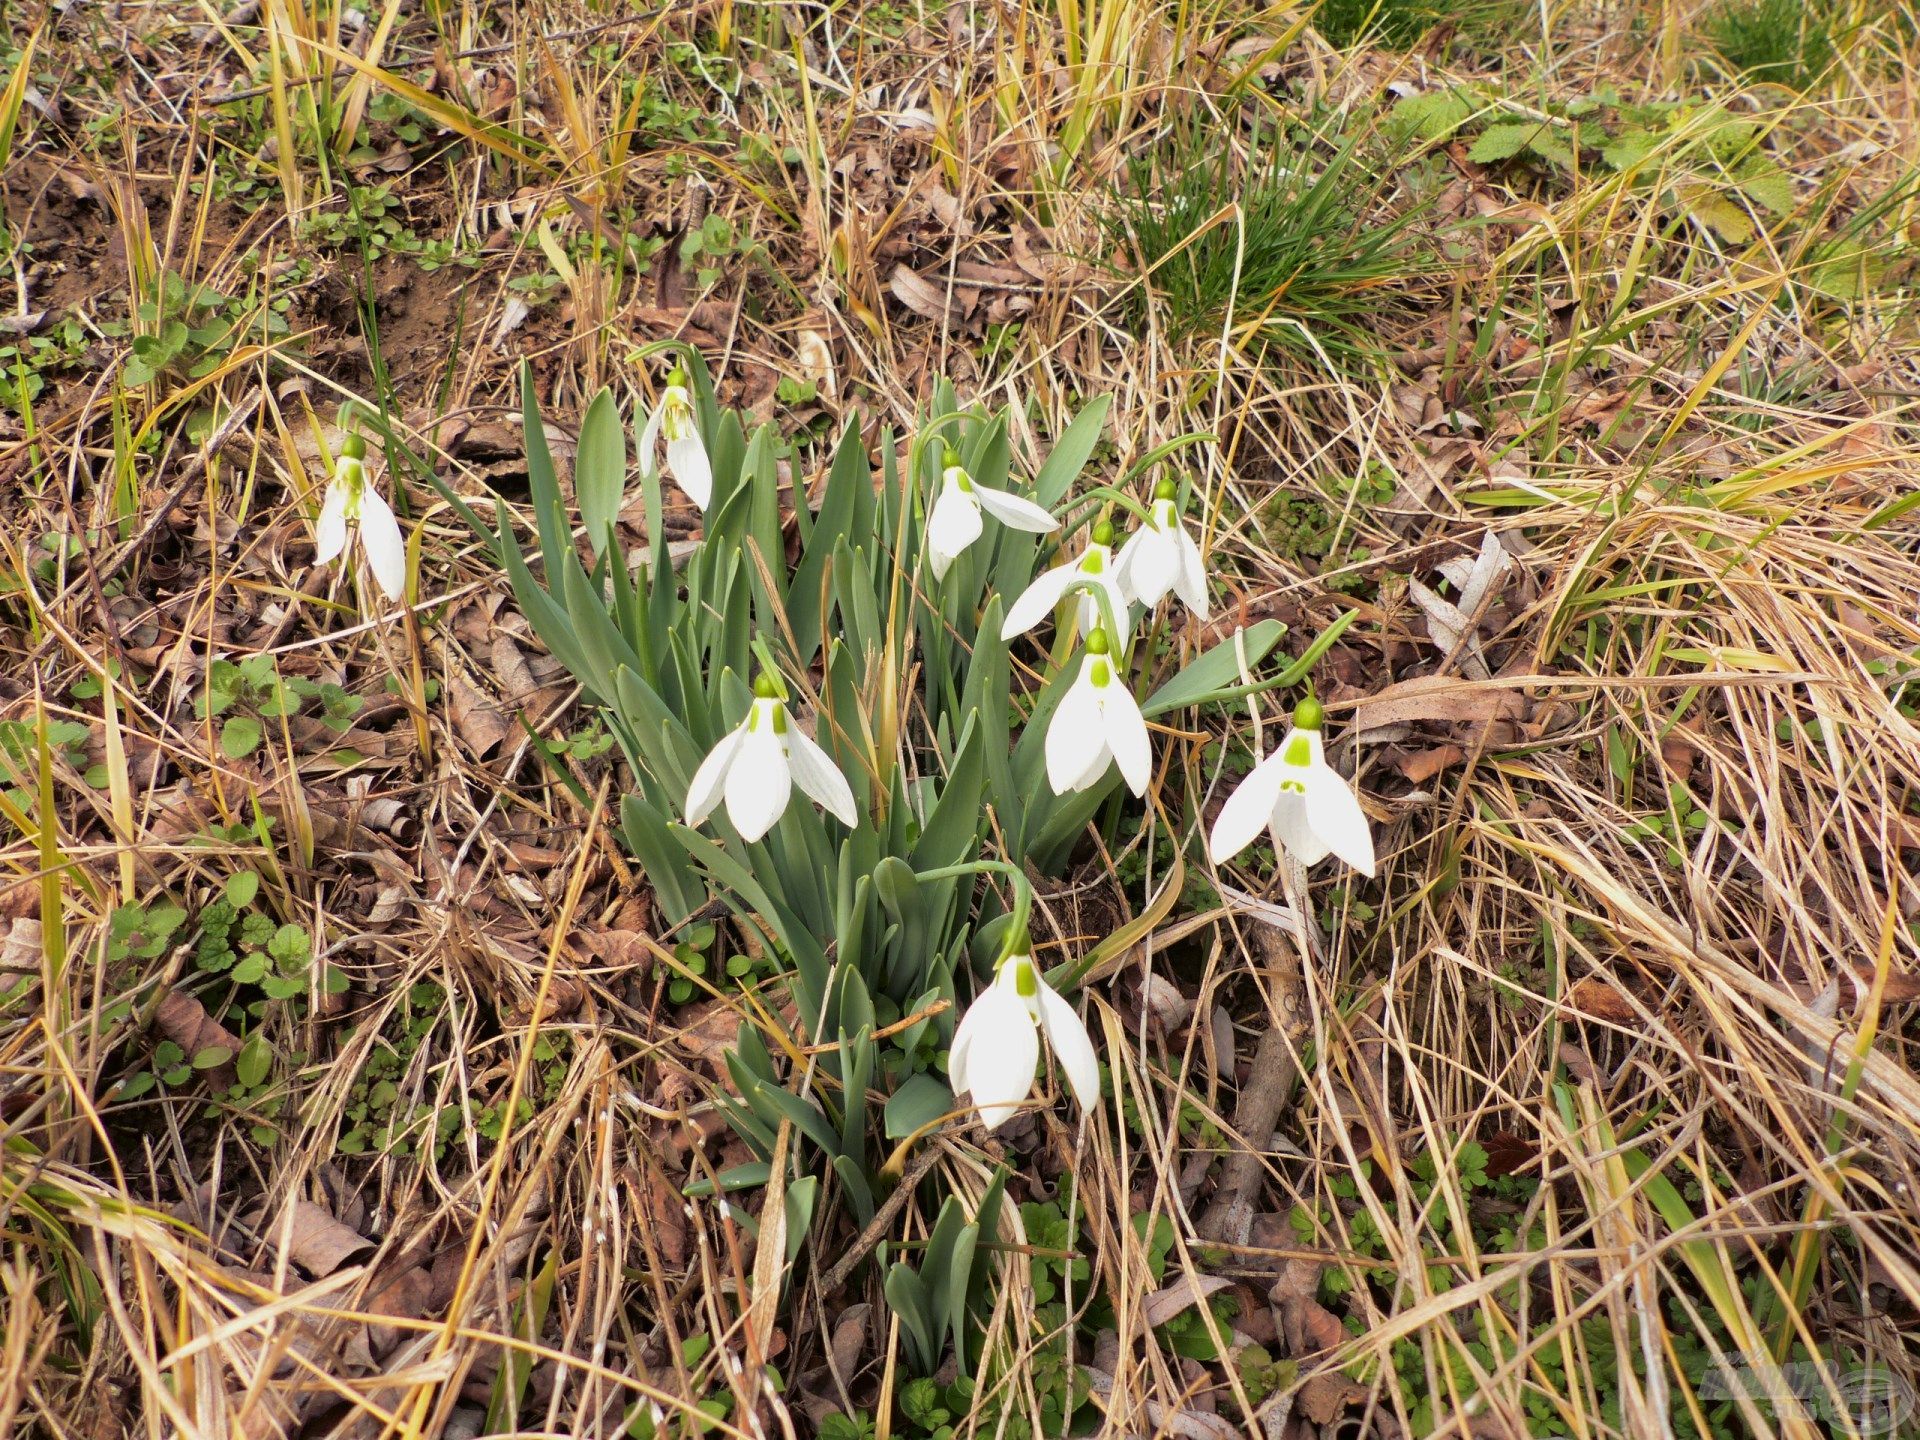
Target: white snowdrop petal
[1001, 1051]
[386, 548]
[1294, 832]
[1013, 511]
[1190, 579]
[1036, 602]
[1123, 563]
[951, 528]
[1248, 811]
[691, 469]
[1073, 734]
[1334, 813]
[650, 438]
[330, 533]
[1099, 757]
[970, 1026]
[709, 780]
[1156, 564]
[1071, 1046]
[816, 774]
[758, 783]
[1126, 735]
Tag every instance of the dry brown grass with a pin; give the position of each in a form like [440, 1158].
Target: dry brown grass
[1644, 932]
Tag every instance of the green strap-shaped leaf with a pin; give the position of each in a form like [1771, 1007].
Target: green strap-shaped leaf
[600, 469]
[1218, 669]
[1070, 453]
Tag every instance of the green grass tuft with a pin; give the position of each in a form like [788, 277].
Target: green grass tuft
[1773, 42]
[1289, 234]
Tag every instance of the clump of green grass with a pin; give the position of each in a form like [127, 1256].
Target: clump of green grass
[1773, 42]
[1404, 23]
[1288, 240]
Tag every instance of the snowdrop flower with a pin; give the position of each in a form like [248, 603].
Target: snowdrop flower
[954, 523]
[1094, 566]
[351, 500]
[1097, 722]
[997, 1045]
[1161, 556]
[756, 767]
[687, 458]
[1300, 798]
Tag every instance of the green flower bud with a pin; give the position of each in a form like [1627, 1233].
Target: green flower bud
[1097, 641]
[765, 687]
[354, 447]
[1103, 533]
[1165, 489]
[1309, 714]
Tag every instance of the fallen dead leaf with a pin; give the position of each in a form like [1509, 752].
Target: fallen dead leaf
[311, 1238]
[1422, 765]
[1593, 996]
[185, 1021]
[475, 715]
[1170, 1300]
[1438, 697]
[918, 293]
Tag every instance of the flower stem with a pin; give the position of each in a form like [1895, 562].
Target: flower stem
[1022, 889]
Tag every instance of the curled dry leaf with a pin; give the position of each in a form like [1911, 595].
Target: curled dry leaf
[1192, 1424]
[1593, 996]
[311, 1238]
[917, 293]
[185, 1021]
[1164, 1001]
[1421, 766]
[1188, 1290]
[19, 950]
[1438, 697]
[475, 715]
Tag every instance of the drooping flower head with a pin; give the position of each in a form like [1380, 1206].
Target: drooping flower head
[1309, 809]
[1161, 556]
[351, 500]
[954, 522]
[1094, 567]
[687, 460]
[1097, 723]
[996, 1047]
[755, 767]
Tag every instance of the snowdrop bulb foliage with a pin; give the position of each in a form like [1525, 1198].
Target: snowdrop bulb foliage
[352, 501]
[1097, 723]
[996, 1048]
[1300, 799]
[1095, 566]
[1161, 556]
[755, 768]
[954, 522]
[687, 460]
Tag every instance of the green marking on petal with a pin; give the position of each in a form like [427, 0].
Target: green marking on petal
[1101, 672]
[1299, 752]
[1095, 560]
[779, 719]
[1025, 983]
